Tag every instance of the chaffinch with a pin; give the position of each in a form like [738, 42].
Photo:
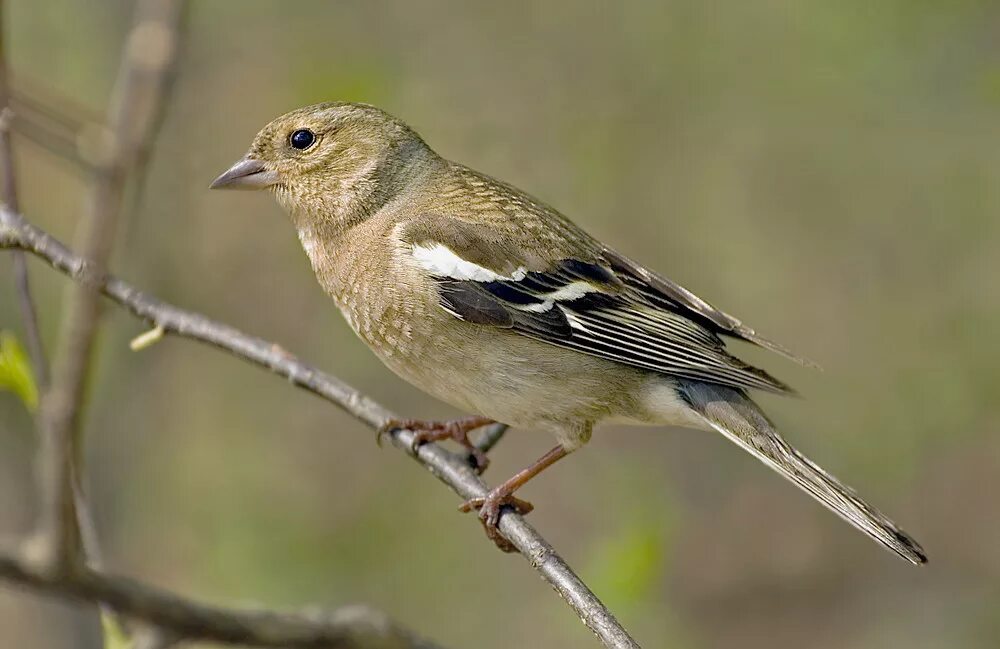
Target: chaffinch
[494, 302]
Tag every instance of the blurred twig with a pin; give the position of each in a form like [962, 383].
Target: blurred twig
[8, 194]
[176, 23]
[50, 119]
[448, 467]
[348, 628]
[139, 91]
[35, 120]
[65, 540]
[63, 557]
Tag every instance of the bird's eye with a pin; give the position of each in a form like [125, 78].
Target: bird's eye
[302, 139]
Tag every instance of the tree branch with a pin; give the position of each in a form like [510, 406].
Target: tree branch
[448, 467]
[63, 556]
[148, 56]
[490, 436]
[348, 628]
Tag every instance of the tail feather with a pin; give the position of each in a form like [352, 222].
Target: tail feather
[734, 415]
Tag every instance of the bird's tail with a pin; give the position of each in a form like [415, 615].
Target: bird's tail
[734, 415]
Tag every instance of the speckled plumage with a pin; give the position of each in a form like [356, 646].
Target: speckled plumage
[496, 303]
[394, 308]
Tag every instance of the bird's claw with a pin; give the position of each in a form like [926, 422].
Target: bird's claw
[384, 430]
[425, 432]
[490, 507]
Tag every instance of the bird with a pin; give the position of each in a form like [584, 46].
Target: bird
[494, 302]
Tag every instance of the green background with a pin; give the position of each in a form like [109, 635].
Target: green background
[827, 171]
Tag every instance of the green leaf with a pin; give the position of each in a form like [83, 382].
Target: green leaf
[15, 371]
[115, 636]
[629, 565]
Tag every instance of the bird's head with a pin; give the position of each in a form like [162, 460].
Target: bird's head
[330, 160]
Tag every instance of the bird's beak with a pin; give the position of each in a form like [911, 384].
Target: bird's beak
[246, 174]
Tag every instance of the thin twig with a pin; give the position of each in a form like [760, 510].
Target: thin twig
[67, 564]
[348, 628]
[148, 54]
[38, 128]
[8, 194]
[177, 23]
[448, 467]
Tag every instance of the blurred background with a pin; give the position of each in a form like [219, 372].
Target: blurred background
[828, 172]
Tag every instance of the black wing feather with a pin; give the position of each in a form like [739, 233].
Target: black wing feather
[605, 311]
[468, 301]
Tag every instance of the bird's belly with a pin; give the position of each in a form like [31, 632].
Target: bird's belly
[484, 370]
[506, 376]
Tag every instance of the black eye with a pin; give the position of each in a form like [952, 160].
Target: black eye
[302, 139]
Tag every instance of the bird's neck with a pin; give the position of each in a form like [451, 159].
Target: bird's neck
[335, 222]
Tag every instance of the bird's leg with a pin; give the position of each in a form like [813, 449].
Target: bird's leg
[503, 496]
[435, 431]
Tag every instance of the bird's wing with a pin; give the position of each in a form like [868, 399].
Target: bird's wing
[594, 301]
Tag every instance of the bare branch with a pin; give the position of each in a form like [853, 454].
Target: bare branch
[63, 558]
[149, 52]
[448, 467]
[348, 628]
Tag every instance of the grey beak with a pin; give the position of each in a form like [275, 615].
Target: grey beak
[246, 174]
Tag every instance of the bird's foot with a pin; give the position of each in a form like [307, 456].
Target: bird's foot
[490, 508]
[436, 431]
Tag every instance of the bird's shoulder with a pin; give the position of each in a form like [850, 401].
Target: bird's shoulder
[493, 224]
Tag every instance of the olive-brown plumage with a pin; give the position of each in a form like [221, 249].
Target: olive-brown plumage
[496, 303]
